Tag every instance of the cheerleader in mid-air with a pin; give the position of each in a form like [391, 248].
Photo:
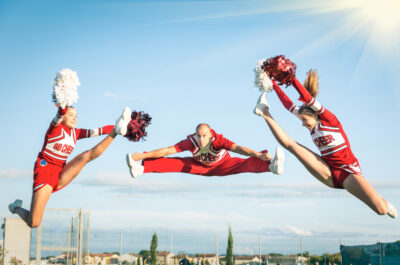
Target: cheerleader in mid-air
[210, 157]
[336, 166]
[51, 172]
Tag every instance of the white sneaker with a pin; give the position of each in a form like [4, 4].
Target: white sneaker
[15, 204]
[392, 211]
[135, 168]
[276, 165]
[262, 103]
[121, 127]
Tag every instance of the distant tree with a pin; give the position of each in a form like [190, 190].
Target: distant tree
[325, 258]
[315, 258]
[15, 261]
[145, 254]
[275, 254]
[153, 249]
[335, 258]
[229, 249]
[115, 252]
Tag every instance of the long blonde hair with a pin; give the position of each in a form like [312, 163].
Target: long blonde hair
[311, 82]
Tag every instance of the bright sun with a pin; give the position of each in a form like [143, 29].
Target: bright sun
[383, 14]
[378, 19]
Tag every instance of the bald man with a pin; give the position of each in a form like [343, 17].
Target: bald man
[210, 157]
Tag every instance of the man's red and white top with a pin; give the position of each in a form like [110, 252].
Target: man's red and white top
[59, 141]
[328, 135]
[209, 155]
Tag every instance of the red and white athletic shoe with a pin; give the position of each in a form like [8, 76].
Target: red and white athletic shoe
[15, 204]
[392, 211]
[276, 165]
[262, 103]
[135, 168]
[121, 127]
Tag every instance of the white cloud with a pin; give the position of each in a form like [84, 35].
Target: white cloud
[14, 173]
[291, 230]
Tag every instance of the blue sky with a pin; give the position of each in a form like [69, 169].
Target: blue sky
[187, 62]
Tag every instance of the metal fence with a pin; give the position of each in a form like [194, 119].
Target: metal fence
[64, 234]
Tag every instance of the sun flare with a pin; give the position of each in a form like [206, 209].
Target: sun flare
[383, 14]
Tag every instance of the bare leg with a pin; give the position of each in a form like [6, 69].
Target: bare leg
[73, 167]
[363, 190]
[33, 218]
[311, 161]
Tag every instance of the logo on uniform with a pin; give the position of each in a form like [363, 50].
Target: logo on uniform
[43, 163]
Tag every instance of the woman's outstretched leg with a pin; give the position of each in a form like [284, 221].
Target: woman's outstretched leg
[33, 218]
[311, 161]
[359, 187]
[73, 167]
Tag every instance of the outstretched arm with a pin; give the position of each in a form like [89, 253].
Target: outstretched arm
[86, 133]
[155, 153]
[306, 97]
[250, 152]
[287, 103]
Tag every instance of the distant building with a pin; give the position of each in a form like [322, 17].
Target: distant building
[129, 257]
[205, 259]
[17, 241]
[246, 259]
[103, 259]
[286, 260]
[165, 258]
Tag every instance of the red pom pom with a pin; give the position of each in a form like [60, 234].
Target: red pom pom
[281, 69]
[137, 126]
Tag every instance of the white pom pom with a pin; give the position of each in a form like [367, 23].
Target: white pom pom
[262, 81]
[65, 88]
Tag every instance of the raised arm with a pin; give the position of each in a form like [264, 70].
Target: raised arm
[249, 152]
[59, 116]
[87, 133]
[286, 102]
[155, 153]
[56, 121]
[306, 97]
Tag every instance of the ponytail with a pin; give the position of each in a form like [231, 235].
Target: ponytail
[311, 82]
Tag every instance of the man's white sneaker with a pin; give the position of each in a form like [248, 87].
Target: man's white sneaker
[262, 103]
[135, 168]
[121, 127]
[15, 204]
[392, 210]
[276, 165]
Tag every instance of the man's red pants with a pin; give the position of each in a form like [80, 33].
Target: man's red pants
[227, 166]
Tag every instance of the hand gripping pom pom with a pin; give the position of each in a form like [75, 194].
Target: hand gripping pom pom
[65, 88]
[281, 69]
[262, 81]
[137, 126]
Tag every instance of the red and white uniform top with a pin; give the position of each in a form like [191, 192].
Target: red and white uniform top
[328, 135]
[209, 155]
[59, 141]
